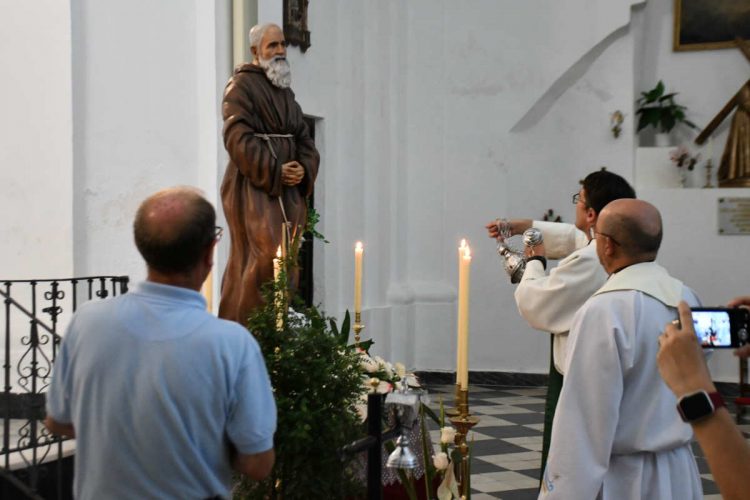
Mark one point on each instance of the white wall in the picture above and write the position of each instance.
(441, 116)
(36, 152)
(148, 78)
(437, 117)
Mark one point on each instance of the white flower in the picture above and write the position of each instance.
(374, 384)
(384, 387)
(400, 370)
(368, 364)
(440, 461)
(411, 380)
(447, 435)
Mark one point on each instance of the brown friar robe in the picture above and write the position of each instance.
(252, 182)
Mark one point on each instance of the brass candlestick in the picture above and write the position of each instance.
(709, 169)
(358, 327)
(463, 424)
(453, 412)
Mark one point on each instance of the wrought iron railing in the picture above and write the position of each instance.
(372, 444)
(34, 313)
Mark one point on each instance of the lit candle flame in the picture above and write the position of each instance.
(278, 252)
(358, 246)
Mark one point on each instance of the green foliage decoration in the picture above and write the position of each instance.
(659, 110)
(317, 381)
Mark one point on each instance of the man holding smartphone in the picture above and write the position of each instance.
(683, 367)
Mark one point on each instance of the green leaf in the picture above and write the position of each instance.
(334, 328)
(654, 94)
(667, 96)
(366, 344)
(429, 467)
(346, 324)
(430, 413)
(667, 123)
(649, 116)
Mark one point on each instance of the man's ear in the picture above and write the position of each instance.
(591, 216)
(208, 257)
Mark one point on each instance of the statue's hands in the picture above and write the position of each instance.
(292, 173)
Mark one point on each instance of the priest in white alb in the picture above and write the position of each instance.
(616, 433)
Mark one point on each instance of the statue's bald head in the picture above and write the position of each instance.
(635, 225)
(173, 228)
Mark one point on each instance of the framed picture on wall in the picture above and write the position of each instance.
(710, 24)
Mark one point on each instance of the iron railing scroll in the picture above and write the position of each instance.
(35, 312)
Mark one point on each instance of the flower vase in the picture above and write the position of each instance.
(662, 140)
(683, 177)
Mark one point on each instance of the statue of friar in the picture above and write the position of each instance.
(272, 168)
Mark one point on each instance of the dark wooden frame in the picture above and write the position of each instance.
(295, 23)
(709, 24)
(305, 287)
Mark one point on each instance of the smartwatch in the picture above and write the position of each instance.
(699, 405)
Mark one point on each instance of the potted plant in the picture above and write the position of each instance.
(659, 110)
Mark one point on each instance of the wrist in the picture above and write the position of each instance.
(691, 386)
(518, 226)
(699, 405)
(540, 258)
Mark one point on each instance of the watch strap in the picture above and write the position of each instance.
(708, 403)
(717, 400)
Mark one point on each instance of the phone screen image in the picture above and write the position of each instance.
(712, 328)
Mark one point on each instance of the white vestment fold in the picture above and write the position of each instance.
(548, 302)
(616, 432)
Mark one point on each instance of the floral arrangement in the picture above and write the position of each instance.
(447, 460)
(440, 480)
(681, 157)
(381, 376)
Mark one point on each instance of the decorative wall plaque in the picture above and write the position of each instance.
(734, 216)
(295, 23)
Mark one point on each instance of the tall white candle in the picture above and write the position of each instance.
(463, 318)
(461, 251)
(358, 251)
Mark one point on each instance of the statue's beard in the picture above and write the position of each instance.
(277, 70)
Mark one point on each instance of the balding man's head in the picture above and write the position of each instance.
(634, 225)
(173, 228)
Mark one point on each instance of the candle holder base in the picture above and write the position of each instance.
(358, 327)
(453, 412)
(463, 424)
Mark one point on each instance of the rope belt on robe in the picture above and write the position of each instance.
(267, 138)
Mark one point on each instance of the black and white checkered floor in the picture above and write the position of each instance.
(508, 441)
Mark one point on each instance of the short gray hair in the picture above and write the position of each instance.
(257, 32)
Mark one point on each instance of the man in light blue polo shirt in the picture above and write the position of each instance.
(163, 398)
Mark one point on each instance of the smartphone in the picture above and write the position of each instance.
(720, 327)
